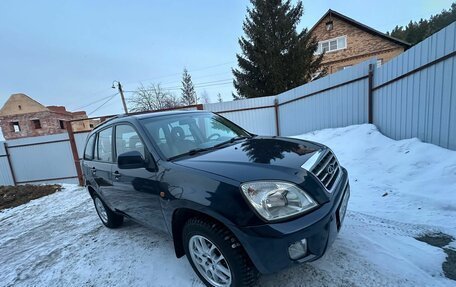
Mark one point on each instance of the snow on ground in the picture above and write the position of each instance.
(399, 189)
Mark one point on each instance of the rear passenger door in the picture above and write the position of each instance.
(101, 166)
(87, 163)
(136, 191)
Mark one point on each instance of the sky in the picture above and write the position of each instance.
(70, 52)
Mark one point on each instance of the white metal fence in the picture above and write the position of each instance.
(413, 95)
(255, 115)
(6, 176)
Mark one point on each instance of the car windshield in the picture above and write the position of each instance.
(190, 133)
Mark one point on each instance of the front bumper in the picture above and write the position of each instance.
(267, 245)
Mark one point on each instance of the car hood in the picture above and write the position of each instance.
(256, 158)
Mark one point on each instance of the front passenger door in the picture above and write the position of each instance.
(137, 190)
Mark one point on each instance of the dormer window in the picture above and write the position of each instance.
(329, 25)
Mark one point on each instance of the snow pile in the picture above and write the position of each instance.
(400, 189)
(407, 180)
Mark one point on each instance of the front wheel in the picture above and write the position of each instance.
(216, 255)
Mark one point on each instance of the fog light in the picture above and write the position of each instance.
(298, 249)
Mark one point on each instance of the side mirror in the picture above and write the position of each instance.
(130, 160)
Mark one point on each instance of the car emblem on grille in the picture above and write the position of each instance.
(331, 168)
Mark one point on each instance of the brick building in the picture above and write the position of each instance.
(22, 116)
(347, 42)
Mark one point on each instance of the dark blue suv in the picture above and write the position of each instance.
(235, 203)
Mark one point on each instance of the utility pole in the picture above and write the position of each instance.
(119, 86)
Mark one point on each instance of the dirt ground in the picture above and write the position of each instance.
(443, 240)
(12, 196)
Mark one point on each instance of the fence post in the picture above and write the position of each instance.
(9, 163)
(276, 110)
(74, 150)
(370, 91)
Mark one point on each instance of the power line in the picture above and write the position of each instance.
(207, 85)
(199, 84)
(197, 77)
(91, 94)
(171, 82)
(104, 103)
(229, 82)
(190, 70)
(92, 103)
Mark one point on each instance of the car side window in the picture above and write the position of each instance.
(127, 139)
(104, 145)
(89, 149)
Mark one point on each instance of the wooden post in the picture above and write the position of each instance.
(276, 110)
(74, 150)
(370, 117)
(9, 163)
(119, 86)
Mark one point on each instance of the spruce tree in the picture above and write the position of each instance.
(275, 56)
(188, 90)
(417, 31)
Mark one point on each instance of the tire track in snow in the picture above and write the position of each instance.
(60, 241)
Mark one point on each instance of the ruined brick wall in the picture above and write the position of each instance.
(49, 121)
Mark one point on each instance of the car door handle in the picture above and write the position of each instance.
(116, 175)
(94, 170)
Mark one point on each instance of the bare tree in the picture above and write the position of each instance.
(205, 97)
(219, 98)
(151, 98)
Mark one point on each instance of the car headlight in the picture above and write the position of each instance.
(276, 199)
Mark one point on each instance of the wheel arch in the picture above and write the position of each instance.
(91, 191)
(181, 216)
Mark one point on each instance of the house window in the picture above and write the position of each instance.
(20, 107)
(379, 62)
(36, 124)
(15, 128)
(329, 25)
(332, 45)
(62, 124)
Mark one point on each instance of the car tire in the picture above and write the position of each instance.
(219, 243)
(108, 217)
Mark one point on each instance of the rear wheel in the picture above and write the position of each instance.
(107, 216)
(216, 255)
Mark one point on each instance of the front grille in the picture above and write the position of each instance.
(327, 170)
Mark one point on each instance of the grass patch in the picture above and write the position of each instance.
(436, 239)
(12, 196)
(449, 266)
(441, 240)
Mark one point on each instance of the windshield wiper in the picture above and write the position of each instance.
(232, 140)
(198, 150)
(190, 152)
